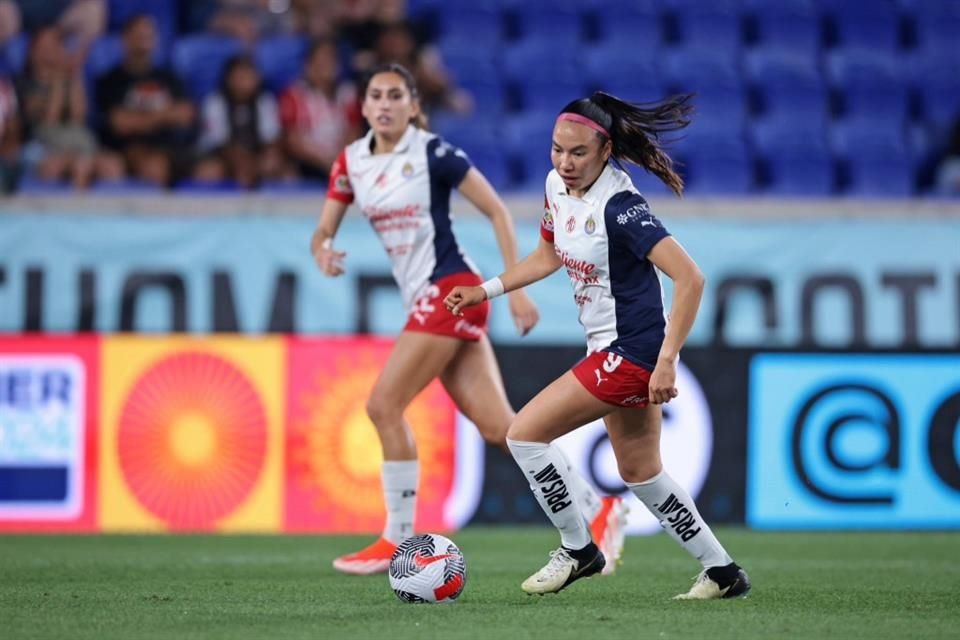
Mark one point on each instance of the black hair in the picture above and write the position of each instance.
(320, 43)
(420, 121)
(636, 129)
(239, 60)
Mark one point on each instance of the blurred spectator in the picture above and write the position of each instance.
(948, 173)
(9, 136)
(320, 114)
(81, 21)
(317, 18)
(396, 43)
(240, 135)
(147, 115)
(54, 106)
(359, 22)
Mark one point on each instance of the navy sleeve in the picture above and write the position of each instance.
(447, 163)
(630, 223)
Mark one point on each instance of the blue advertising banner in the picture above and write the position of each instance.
(853, 441)
(774, 284)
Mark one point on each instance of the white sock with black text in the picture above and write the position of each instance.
(674, 508)
(545, 469)
(400, 479)
(587, 498)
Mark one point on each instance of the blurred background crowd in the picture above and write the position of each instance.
(794, 97)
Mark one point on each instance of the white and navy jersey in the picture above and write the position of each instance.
(405, 195)
(603, 240)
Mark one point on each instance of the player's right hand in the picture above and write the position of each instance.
(462, 297)
(328, 259)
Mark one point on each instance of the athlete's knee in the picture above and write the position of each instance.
(640, 467)
(383, 413)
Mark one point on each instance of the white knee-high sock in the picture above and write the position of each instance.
(673, 506)
(400, 479)
(587, 498)
(546, 470)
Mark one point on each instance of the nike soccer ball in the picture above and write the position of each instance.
(427, 568)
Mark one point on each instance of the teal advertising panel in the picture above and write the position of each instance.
(853, 441)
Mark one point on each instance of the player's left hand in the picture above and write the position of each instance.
(524, 311)
(662, 387)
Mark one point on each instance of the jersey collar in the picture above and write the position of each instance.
(405, 140)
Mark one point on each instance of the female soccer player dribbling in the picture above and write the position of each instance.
(401, 177)
(597, 226)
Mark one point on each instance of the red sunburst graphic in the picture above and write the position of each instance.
(192, 439)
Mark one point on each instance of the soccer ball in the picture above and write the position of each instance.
(427, 568)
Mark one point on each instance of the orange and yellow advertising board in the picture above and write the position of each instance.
(215, 433)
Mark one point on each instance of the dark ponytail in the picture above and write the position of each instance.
(420, 121)
(635, 129)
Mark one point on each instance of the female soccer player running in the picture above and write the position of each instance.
(401, 177)
(597, 226)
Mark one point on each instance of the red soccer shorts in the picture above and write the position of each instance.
(430, 316)
(613, 379)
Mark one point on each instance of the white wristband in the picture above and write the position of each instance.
(493, 288)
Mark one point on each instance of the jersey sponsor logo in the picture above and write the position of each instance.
(401, 219)
(678, 517)
(555, 493)
(571, 224)
(638, 212)
(578, 270)
(590, 226)
(635, 399)
(582, 299)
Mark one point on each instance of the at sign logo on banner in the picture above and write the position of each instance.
(686, 448)
(41, 437)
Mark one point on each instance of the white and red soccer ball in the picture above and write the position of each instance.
(427, 568)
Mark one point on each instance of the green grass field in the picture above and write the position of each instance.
(806, 585)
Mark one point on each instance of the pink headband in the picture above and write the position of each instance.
(587, 122)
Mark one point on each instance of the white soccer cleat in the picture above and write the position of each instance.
(718, 582)
(565, 567)
(607, 530)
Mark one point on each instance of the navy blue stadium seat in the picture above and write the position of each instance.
(715, 26)
(125, 187)
(788, 88)
(635, 24)
(719, 165)
(938, 85)
(543, 79)
(611, 68)
(867, 25)
(792, 164)
(694, 70)
(478, 72)
(280, 60)
(877, 159)
(552, 23)
(788, 25)
(475, 24)
(34, 185)
(937, 24)
(526, 140)
(199, 59)
(872, 86)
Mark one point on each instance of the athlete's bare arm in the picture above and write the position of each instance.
(482, 195)
(668, 256)
(329, 260)
(536, 266)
